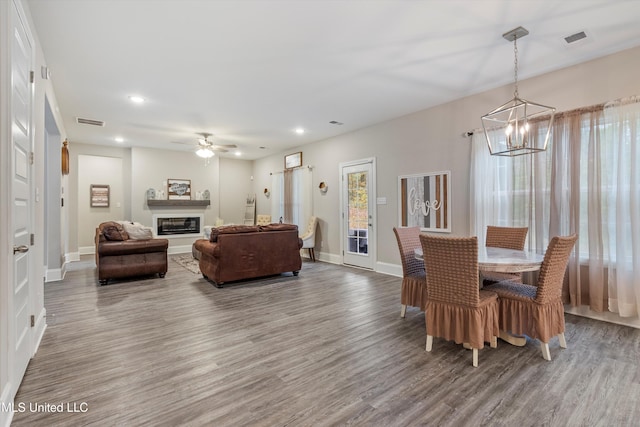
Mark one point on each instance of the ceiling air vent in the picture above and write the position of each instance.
(91, 122)
(335, 122)
(575, 37)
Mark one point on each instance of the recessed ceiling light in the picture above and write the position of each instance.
(299, 131)
(119, 139)
(137, 99)
(238, 153)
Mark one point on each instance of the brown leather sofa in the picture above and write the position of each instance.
(236, 252)
(118, 256)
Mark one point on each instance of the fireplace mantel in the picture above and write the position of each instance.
(178, 203)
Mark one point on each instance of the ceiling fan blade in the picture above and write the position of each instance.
(218, 148)
(226, 145)
(184, 143)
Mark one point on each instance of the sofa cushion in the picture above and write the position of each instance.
(111, 230)
(232, 229)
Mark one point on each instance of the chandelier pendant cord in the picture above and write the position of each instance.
(515, 67)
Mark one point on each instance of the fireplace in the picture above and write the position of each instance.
(177, 225)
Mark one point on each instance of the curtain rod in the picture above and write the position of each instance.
(616, 102)
(297, 167)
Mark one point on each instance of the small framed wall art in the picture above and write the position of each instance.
(99, 196)
(179, 189)
(293, 160)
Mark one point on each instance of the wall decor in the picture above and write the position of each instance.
(293, 160)
(425, 201)
(179, 189)
(99, 196)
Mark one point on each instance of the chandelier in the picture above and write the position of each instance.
(510, 129)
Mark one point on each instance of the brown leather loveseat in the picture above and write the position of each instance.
(118, 256)
(236, 252)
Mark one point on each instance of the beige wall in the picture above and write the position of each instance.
(131, 171)
(235, 183)
(426, 141)
(151, 168)
(431, 140)
(80, 238)
(98, 170)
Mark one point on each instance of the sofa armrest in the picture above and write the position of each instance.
(207, 247)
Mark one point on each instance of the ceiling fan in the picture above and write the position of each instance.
(206, 148)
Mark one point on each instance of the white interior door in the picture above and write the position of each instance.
(21, 212)
(358, 214)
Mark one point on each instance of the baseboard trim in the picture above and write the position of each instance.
(41, 326)
(181, 249)
(389, 269)
(53, 275)
(75, 256)
(585, 311)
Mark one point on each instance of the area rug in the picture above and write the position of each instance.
(188, 262)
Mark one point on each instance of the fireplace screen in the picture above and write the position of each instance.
(179, 225)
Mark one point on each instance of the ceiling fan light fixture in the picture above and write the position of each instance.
(205, 152)
(508, 129)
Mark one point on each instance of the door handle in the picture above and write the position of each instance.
(21, 248)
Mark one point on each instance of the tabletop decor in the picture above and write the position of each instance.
(425, 201)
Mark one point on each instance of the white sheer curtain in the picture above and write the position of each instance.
(277, 195)
(301, 197)
(500, 190)
(587, 182)
(621, 182)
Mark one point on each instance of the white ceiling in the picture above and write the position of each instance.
(250, 72)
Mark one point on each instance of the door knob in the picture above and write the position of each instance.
(21, 248)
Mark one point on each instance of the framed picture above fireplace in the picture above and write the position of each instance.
(179, 189)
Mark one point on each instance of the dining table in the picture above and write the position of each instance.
(504, 261)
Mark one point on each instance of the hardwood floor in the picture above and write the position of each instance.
(325, 348)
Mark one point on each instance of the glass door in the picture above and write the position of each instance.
(357, 215)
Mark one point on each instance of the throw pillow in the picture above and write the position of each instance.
(137, 231)
(113, 231)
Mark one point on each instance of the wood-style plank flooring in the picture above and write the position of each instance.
(325, 348)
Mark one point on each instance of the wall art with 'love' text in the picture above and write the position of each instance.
(425, 201)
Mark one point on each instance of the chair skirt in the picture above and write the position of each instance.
(414, 292)
(463, 324)
(539, 321)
